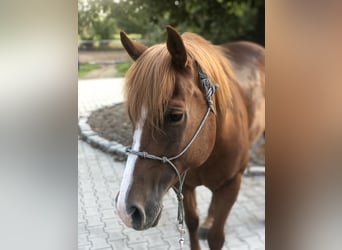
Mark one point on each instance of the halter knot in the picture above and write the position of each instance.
(180, 196)
(208, 86)
(164, 159)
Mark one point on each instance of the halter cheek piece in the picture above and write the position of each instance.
(209, 89)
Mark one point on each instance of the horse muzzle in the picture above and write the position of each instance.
(144, 218)
(137, 215)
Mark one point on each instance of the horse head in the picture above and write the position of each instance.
(167, 105)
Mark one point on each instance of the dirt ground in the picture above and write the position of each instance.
(112, 123)
(105, 59)
(107, 55)
(105, 71)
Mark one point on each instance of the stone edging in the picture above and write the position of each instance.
(91, 137)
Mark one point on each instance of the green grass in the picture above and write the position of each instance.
(122, 68)
(85, 68)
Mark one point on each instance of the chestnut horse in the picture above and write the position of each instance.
(188, 132)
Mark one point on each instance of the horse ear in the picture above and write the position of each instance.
(133, 48)
(176, 47)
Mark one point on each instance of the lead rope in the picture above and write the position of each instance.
(210, 89)
(180, 198)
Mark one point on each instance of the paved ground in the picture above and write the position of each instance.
(96, 93)
(99, 180)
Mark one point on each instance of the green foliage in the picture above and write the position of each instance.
(217, 20)
(85, 68)
(94, 20)
(122, 68)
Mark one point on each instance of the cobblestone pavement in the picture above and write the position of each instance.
(96, 93)
(99, 227)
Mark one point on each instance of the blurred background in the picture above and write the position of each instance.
(100, 22)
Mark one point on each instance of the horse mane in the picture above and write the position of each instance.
(214, 63)
(150, 81)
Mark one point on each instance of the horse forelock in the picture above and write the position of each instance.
(150, 81)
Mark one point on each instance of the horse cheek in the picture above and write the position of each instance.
(205, 143)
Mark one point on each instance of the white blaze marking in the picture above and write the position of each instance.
(127, 178)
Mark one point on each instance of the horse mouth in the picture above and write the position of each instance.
(155, 223)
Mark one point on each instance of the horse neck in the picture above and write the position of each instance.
(232, 123)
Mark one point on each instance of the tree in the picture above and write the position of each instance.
(95, 20)
(217, 20)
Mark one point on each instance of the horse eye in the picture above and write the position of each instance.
(174, 117)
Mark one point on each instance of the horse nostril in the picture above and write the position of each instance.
(138, 217)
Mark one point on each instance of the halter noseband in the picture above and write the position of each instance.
(209, 89)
